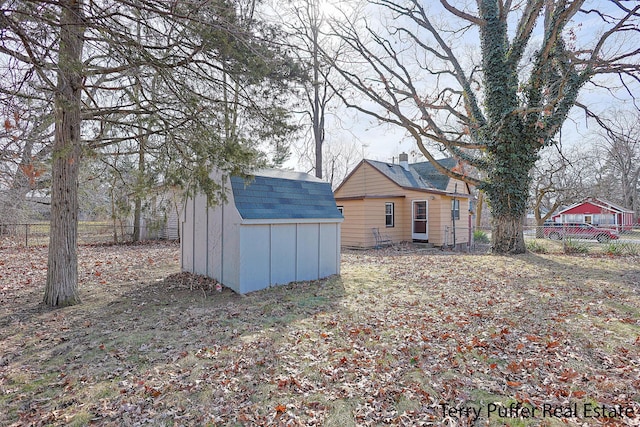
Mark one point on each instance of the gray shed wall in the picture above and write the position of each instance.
(249, 255)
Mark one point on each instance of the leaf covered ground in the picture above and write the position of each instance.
(402, 337)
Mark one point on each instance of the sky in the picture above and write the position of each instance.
(385, 142)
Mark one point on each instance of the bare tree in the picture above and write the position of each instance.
(320, 93)
(559, 179)
(25, 147)
(306, 25)
(497, 113)
(620, 139)
(340, 159)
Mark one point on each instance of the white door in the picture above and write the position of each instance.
(419, 223)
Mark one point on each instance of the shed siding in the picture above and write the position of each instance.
(255, 263)
(200, 238)
(188, 233)
(307, 242)
(329, 242)
(230, 245)
(215, 240)
(283, 250)
(231, 252)
(249, 254)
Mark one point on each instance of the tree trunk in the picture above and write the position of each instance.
(137, 210)
(507, 235)
(508, 197)
(318, 109)
(137, 218)
(113, 214)
(508, 192)
(62, 271)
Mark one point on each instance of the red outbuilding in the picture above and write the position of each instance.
(597, 212)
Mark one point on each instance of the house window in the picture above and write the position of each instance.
(389, 214)
(455, 209)
(341, 210)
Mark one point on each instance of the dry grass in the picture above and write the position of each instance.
(396, 336)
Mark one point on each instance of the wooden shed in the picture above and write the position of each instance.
(276, 228)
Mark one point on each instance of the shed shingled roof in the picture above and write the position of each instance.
(278, 194)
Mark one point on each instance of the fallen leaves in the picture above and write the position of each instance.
(385, 344)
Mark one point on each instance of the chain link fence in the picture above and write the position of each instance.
(569, 238)
(89, 232)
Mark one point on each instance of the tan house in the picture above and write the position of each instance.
(403, 202)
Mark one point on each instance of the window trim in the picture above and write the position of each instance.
(391, 215)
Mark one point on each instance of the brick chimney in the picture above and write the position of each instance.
(404, 161)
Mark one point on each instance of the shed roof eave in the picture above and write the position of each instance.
(262, 221)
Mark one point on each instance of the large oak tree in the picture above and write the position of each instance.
(490, 82)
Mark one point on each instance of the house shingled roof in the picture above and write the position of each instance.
(429, 173)
(420, 175)
(399, 175)
(278, 194)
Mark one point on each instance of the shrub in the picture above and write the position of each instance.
(536, 247)
(613, 249)
(480, 236)
(624, 248)
(570, 246)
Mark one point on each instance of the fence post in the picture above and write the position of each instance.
(26, 235)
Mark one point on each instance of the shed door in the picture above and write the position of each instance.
(419, 224)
